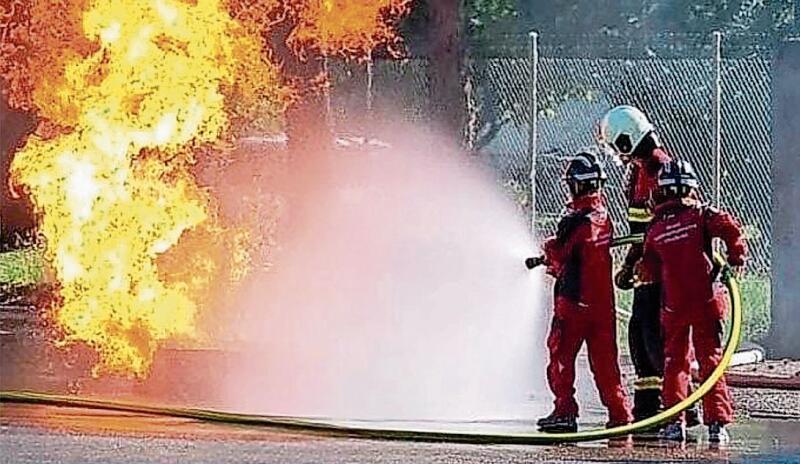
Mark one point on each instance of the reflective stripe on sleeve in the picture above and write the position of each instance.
(639, 215)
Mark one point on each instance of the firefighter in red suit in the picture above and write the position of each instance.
(580, 260)
(628, 133)
(678, 253)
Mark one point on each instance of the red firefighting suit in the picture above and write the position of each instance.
(578, 257)
(644, 329)
(678, 253)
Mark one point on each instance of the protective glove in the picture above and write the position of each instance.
(641, 276)
(534, 262)
(624, 278)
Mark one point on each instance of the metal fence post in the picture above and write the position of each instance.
(533, 108)
(327, 92)
(472, 117)
(370, 76)
(718, 118)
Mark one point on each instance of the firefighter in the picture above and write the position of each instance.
(580, 260)
(678, 253)
(627, 132)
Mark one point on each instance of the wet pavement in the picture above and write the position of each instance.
(43, 434)
(40, 434)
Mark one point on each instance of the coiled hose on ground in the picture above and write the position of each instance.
(331, 429)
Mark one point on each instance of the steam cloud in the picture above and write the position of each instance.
(399, 293)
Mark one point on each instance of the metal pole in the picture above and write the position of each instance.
(327, 92)
(533, 107)
(473, 118)
(718, 118)
(370, 75)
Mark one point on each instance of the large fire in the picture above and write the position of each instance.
(115, 188)
(126, 92)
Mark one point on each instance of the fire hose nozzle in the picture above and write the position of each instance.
(534, 262)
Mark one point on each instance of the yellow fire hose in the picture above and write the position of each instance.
(331, 429)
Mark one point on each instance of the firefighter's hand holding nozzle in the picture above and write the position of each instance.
(534, 262)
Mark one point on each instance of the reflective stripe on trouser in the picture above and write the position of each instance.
(647, 383)
(570, 328)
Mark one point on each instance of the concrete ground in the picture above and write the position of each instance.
(40, 434)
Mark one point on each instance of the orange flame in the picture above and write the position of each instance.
(349, 28)
(143, 80)
(127, 91)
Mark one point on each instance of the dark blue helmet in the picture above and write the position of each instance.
(677, 178)
(585, 173)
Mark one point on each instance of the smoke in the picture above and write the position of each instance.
(399, 292)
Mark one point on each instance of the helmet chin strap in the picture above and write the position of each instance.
(656, 139)
(649, 142)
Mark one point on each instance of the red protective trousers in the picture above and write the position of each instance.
(705, 330)
(572, 325)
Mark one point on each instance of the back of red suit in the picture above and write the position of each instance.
(579, 258)
(678, 254)
(681, 240)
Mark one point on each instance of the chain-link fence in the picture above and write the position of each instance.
(708, 95)
(709, 109)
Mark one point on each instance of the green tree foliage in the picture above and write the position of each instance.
(483, 14)
(760, 16)
(633, 17)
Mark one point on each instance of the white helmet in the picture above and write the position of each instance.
(623, 128)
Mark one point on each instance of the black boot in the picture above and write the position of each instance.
(557, 424)
(675, 431)
(692, 417)
(717, 433)
(646, 403)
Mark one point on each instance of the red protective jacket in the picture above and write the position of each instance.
(579, 258)
(641, 182)
(677, 251)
